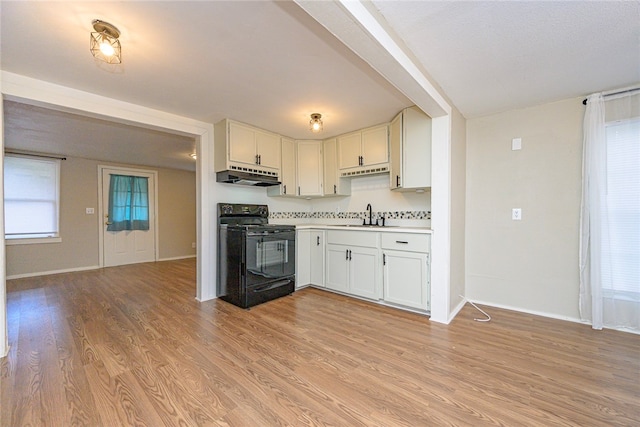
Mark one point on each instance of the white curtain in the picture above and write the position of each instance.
(610, 213)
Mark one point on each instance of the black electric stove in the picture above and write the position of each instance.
(256, 260)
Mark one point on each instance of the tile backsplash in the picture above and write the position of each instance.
(404, 215)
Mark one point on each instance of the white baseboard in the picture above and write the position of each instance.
(47, 273)
(534, 312)
(77, 269)
(175, 258)
(456, 310)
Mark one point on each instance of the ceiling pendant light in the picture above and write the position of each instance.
(315, 124)
(104, 44)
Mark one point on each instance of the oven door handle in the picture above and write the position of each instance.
(271, 286)
(263, 233)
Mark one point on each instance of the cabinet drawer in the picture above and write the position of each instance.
(367, 239)
(406, 242)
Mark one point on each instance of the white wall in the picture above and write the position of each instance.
(458, 208)
(374, 189)
(529, 265)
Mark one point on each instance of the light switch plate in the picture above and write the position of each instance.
(516, 214)
(89, 211)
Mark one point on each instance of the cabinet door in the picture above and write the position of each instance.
(333, 184)
(330, 166)
(303, 258)
(268, 148)
(349, 150)
(337, 268)
(416, 149)
(317, 258)
(395, 152)
(309, 168)
(288, 170)
(406, 280)
(363, 274)
(242, 144)
(375, 145)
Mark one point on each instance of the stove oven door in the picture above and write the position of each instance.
(270, 255)
(270, 265)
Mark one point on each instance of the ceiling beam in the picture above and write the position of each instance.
(363, 30)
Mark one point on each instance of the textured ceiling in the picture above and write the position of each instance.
(492, 56)
(270, 64)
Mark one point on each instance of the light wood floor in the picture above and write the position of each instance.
(131, 346)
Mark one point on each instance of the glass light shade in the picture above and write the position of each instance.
(315, 124)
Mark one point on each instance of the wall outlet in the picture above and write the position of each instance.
(516, 214)
(89, 211)
(516, 143)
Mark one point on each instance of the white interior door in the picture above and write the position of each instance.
(128, 246)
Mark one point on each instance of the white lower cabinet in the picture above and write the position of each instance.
(353, 263)
(390, 266)
(303, 258)
(405, 263)
(406, 278)
(337, 268)
(316, 268)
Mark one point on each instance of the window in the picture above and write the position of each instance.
(128, 203)
(621, 234)
(31, 197)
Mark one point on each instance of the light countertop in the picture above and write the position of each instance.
(355, 227)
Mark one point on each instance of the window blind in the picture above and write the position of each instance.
(31, 194)
(621, 231)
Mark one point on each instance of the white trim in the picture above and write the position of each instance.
(4, 336)
(101, 207)
(36, 240)
(40, 93)
(48, 273)
(175, 258)
(384, 51)
(533, 312)
(456, 310)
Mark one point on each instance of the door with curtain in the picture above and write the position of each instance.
(128, 213)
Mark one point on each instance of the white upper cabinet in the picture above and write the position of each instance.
(410, 135)
(309, 168)
(288, 172)
(333, 184)
(364, 152)
(350, 150)
(375, 146)
(243, 147)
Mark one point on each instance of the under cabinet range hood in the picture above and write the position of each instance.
(246, 178)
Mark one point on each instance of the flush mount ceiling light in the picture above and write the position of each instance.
(104, 43)
(315, 124)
